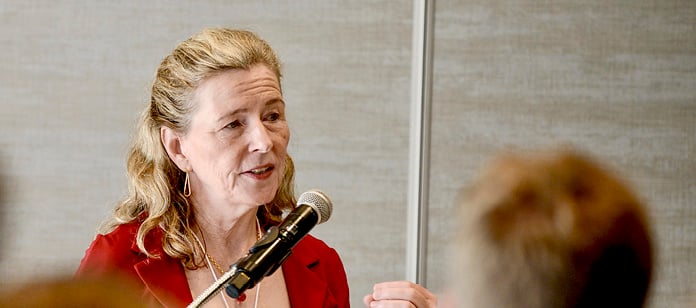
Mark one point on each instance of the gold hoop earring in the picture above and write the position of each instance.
(187, 186)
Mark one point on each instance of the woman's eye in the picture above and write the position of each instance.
(272, 116)
(234, 124)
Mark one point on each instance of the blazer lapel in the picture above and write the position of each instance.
(164, 278)
(166, 281)
(305, 286)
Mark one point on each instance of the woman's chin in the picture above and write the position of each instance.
(261, 199)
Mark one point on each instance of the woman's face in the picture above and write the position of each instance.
(238, 137)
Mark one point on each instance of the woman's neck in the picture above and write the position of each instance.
(226, 238)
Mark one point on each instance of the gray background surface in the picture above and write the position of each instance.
(616, 78)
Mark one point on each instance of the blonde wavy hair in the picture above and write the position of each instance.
(156, 196)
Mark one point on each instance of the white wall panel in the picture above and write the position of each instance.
(615, 78)
(74, 76)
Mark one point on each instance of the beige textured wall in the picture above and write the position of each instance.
(615, 78)
(74, 75)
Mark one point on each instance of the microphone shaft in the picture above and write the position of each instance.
(266, 256)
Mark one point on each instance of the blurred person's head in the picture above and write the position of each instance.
(107, 292)
(550, 229)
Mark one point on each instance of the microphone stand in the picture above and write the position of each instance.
(265, 257)
(240, 277)
(213, 289)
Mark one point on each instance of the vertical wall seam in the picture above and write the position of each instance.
(419, 141)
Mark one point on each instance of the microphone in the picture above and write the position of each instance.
(266, 256)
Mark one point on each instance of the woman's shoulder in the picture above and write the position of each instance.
(112, 250)
(125, 236)
(122, 237)
(123, 231)
(310, 245)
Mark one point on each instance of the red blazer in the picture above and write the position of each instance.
(314, 274)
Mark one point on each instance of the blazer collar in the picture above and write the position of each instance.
(163, 276)
(303, 279)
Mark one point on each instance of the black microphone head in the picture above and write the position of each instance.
(317, 200)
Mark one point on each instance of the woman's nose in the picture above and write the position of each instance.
(259, 138)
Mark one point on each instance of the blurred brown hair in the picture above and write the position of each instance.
(107, 292)
(550, 228)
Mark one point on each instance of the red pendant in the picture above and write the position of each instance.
(241, 297)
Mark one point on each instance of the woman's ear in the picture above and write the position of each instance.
(172, 144)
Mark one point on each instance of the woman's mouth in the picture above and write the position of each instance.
(260, 173)
(260, 170)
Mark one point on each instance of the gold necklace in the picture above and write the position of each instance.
(215, 264)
